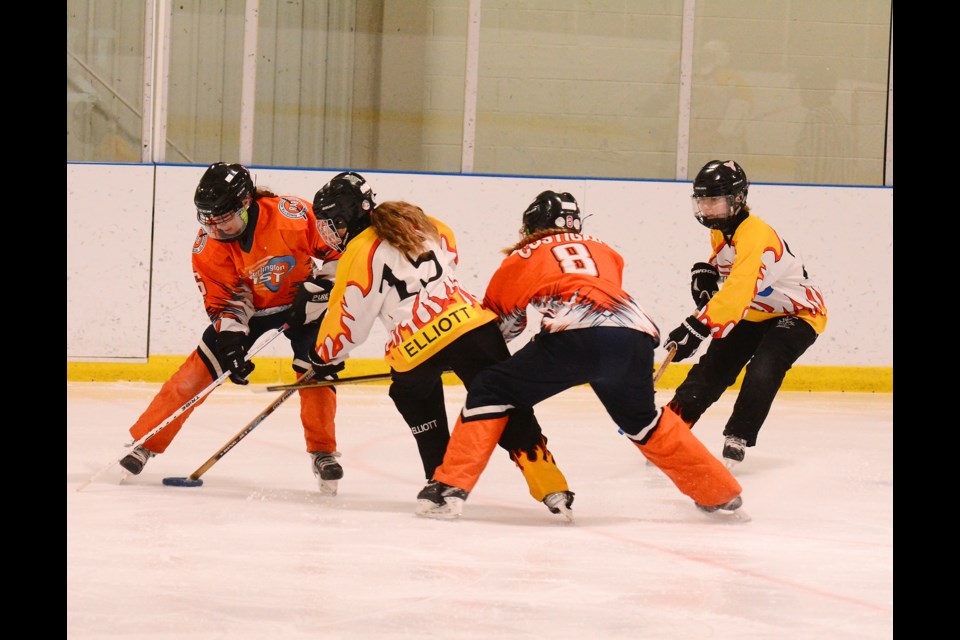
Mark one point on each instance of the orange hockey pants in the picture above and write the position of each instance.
(317, 409)
(472, 444)
(678, 453)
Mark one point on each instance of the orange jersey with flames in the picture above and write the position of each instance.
(573, 280)
(420, 302)
(260, 272)
(761, 279)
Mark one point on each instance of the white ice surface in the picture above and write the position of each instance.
(256, 553)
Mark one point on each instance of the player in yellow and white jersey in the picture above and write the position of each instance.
(398, 265)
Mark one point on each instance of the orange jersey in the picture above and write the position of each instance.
(573, 280)
(260, 272)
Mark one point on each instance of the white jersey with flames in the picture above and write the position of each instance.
(419, 301)
(761, 279)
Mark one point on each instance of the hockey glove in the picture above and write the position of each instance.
(231, 352)
(704, 283)
(686, 338)
(311, 301)
(322, 370)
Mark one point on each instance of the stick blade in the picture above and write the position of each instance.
(182, 482)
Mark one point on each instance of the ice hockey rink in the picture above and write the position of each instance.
(256, 553)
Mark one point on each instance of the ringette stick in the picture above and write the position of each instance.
(656, 376)
(173, 416)
(193, 480)
(373, 377)
(663, 366)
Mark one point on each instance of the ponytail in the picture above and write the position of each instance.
(403, 225)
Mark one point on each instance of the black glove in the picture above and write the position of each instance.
(310, 302)
(231, 351)
(704, 282)
(687, 338)
(322, 370)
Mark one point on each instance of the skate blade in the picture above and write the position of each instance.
(564, 513)
(329, 487)
(450, 510)
(731, 511)
(728, 516)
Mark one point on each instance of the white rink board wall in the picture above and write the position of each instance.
(844, 235)
(109, 218)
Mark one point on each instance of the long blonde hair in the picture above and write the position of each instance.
(403, 225)
(533, 237)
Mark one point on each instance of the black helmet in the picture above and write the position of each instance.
(224, 192)
(726, 180)
(343, 203)
(552, 210)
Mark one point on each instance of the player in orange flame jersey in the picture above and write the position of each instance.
(592, 331)
(250, 258)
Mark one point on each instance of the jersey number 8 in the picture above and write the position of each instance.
(575, 258)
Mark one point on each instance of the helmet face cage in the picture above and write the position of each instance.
(719, 193)
(222, 199)
(552, 210)
(342, 208)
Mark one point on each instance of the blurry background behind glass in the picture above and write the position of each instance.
(796, 91)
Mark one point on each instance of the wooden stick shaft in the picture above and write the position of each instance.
(663, 367)
(373, 377)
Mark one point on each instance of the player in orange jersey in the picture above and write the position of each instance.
(399, 265)
(765, 315)
(251, 255)
(592, 331)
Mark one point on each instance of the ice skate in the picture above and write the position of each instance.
(441, 501)
(134, 461)
(731, 511)
(559, 502)
(734, 450)
(327, 471)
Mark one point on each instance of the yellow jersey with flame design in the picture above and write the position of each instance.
(761, 279)
(419, 301)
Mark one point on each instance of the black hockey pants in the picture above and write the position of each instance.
(418, 395)
(768, 349)
(615, 361)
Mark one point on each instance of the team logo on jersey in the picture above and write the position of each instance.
(292, 208)
(270, 272)
(200, 241)
(786, 322)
